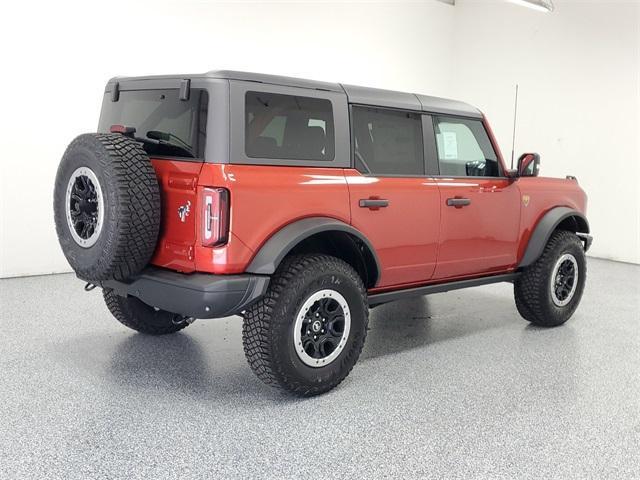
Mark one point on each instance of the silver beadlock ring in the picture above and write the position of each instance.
(83, 191)
(324, 320)
(564, 280)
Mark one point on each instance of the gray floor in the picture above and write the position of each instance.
(455, 385)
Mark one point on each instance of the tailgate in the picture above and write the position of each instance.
(178, 187)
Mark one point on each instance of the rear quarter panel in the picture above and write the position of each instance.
(263, 200)
(541, 194)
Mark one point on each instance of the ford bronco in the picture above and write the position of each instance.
(300, 204)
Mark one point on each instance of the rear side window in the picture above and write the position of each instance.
(288, 127)
(387, 142)
(167, 125)
(464, 148)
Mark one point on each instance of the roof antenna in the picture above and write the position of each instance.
(515, 117)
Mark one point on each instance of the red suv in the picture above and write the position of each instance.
(298, 205)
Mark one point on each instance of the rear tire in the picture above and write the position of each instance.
(137, 315)
(306, 334)
(549, 291)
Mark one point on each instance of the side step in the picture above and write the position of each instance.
(385, 297)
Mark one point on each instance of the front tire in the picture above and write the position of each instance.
(137, 315)
(306, 334)
(549, 291)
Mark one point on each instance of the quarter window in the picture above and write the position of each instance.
(464, 149)
(288, 127)
(387, 142)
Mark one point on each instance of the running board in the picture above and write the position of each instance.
(380, 298)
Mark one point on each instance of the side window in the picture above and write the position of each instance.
(288, 127)
(464, 149)
(387, 142)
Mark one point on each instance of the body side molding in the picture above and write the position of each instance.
(284, 240)
(545, 228)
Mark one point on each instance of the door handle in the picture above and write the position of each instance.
(458, 202)
(373, 203)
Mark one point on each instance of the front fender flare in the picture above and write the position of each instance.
(546, 227)
(284, 240)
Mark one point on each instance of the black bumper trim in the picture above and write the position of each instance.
(198, 295)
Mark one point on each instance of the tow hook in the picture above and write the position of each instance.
(89, 286)
(179, 320)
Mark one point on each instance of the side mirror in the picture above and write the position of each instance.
(528, 165)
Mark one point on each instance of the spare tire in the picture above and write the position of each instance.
(106, 206)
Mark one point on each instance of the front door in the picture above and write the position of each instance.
(393, 203)
(480, 206)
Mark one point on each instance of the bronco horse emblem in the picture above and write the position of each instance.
(183, 211)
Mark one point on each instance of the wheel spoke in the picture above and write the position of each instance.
(327, 346)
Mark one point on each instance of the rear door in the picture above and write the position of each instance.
(393, 202)
(480, 206)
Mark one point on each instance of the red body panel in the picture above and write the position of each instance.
(482, 236)
(263, 200)
(404, 234)
(541, 194)
(418, 238)
(178, 187)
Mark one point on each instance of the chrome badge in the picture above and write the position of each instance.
(525, 200)
(183, 211)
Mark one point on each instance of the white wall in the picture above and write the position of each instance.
(578, 71)
(61, 53)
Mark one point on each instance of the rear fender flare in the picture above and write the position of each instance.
(284, 240)
(545, 227)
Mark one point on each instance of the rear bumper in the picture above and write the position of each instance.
(198, 295)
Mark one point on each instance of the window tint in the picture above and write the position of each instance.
(288, 127)
(181, 124)
(387, 142)
(464, 149)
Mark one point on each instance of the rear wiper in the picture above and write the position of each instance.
(164, 140)
(153, 141)
(167, 137)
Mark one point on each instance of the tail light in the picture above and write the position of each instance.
(215, 216)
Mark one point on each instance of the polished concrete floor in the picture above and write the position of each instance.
(455, 385)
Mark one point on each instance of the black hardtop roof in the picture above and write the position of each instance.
(355, 94)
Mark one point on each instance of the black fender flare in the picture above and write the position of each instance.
(284, 240)
(546, 227)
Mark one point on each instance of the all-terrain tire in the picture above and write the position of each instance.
(137, 315)
(124, 244)
(268, 327)
(533, 289)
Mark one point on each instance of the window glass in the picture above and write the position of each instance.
(464, 149)
(180, 125)
(387, 142)
(288, 127)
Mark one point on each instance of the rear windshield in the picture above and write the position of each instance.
(166, 125)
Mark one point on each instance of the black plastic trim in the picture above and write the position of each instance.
(185, 90)
(198, 295)
(115, 92)
(380, 298)
(587, 239)
(544, 229)
(281, 243)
